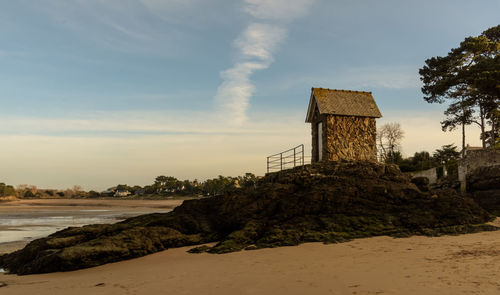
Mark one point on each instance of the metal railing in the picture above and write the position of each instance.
(285, 160)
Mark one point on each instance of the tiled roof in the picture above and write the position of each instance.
(343, 103)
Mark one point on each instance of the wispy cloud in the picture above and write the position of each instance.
(259, 41)
(256, 46)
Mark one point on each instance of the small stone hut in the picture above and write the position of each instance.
(343, 125)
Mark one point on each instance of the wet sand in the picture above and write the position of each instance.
(465, 264)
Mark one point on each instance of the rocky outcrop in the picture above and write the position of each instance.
(330, 202)
(483, 184)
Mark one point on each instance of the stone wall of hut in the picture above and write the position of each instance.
(346, 138)
(351, 138)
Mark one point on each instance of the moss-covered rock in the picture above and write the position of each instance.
(332, 202)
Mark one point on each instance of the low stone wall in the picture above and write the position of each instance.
(482, 158)
(431, 174)
(475, 159)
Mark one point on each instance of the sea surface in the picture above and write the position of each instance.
(29, 222)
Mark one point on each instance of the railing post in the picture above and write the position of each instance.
(267, 164)
(302, 154)
(281, 161)
(294, 157)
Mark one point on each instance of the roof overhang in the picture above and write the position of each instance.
(311, 108)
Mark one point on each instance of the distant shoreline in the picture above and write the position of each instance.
(108, 201)
(128, 198)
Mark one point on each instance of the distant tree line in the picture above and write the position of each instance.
(169, 186)
(163, 186)
(31, 191)
(6, 190)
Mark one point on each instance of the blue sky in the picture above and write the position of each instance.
(101, 92)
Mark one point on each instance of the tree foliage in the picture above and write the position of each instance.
(6, 190)
(419, 161)
(170, 186)
(166, 184)
(247, 180)
(446, 154)
(468, 77)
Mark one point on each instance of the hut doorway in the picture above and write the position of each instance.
(320, 141)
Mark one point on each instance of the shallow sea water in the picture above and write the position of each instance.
(29, 225)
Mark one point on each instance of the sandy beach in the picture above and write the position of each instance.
(465, 264)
